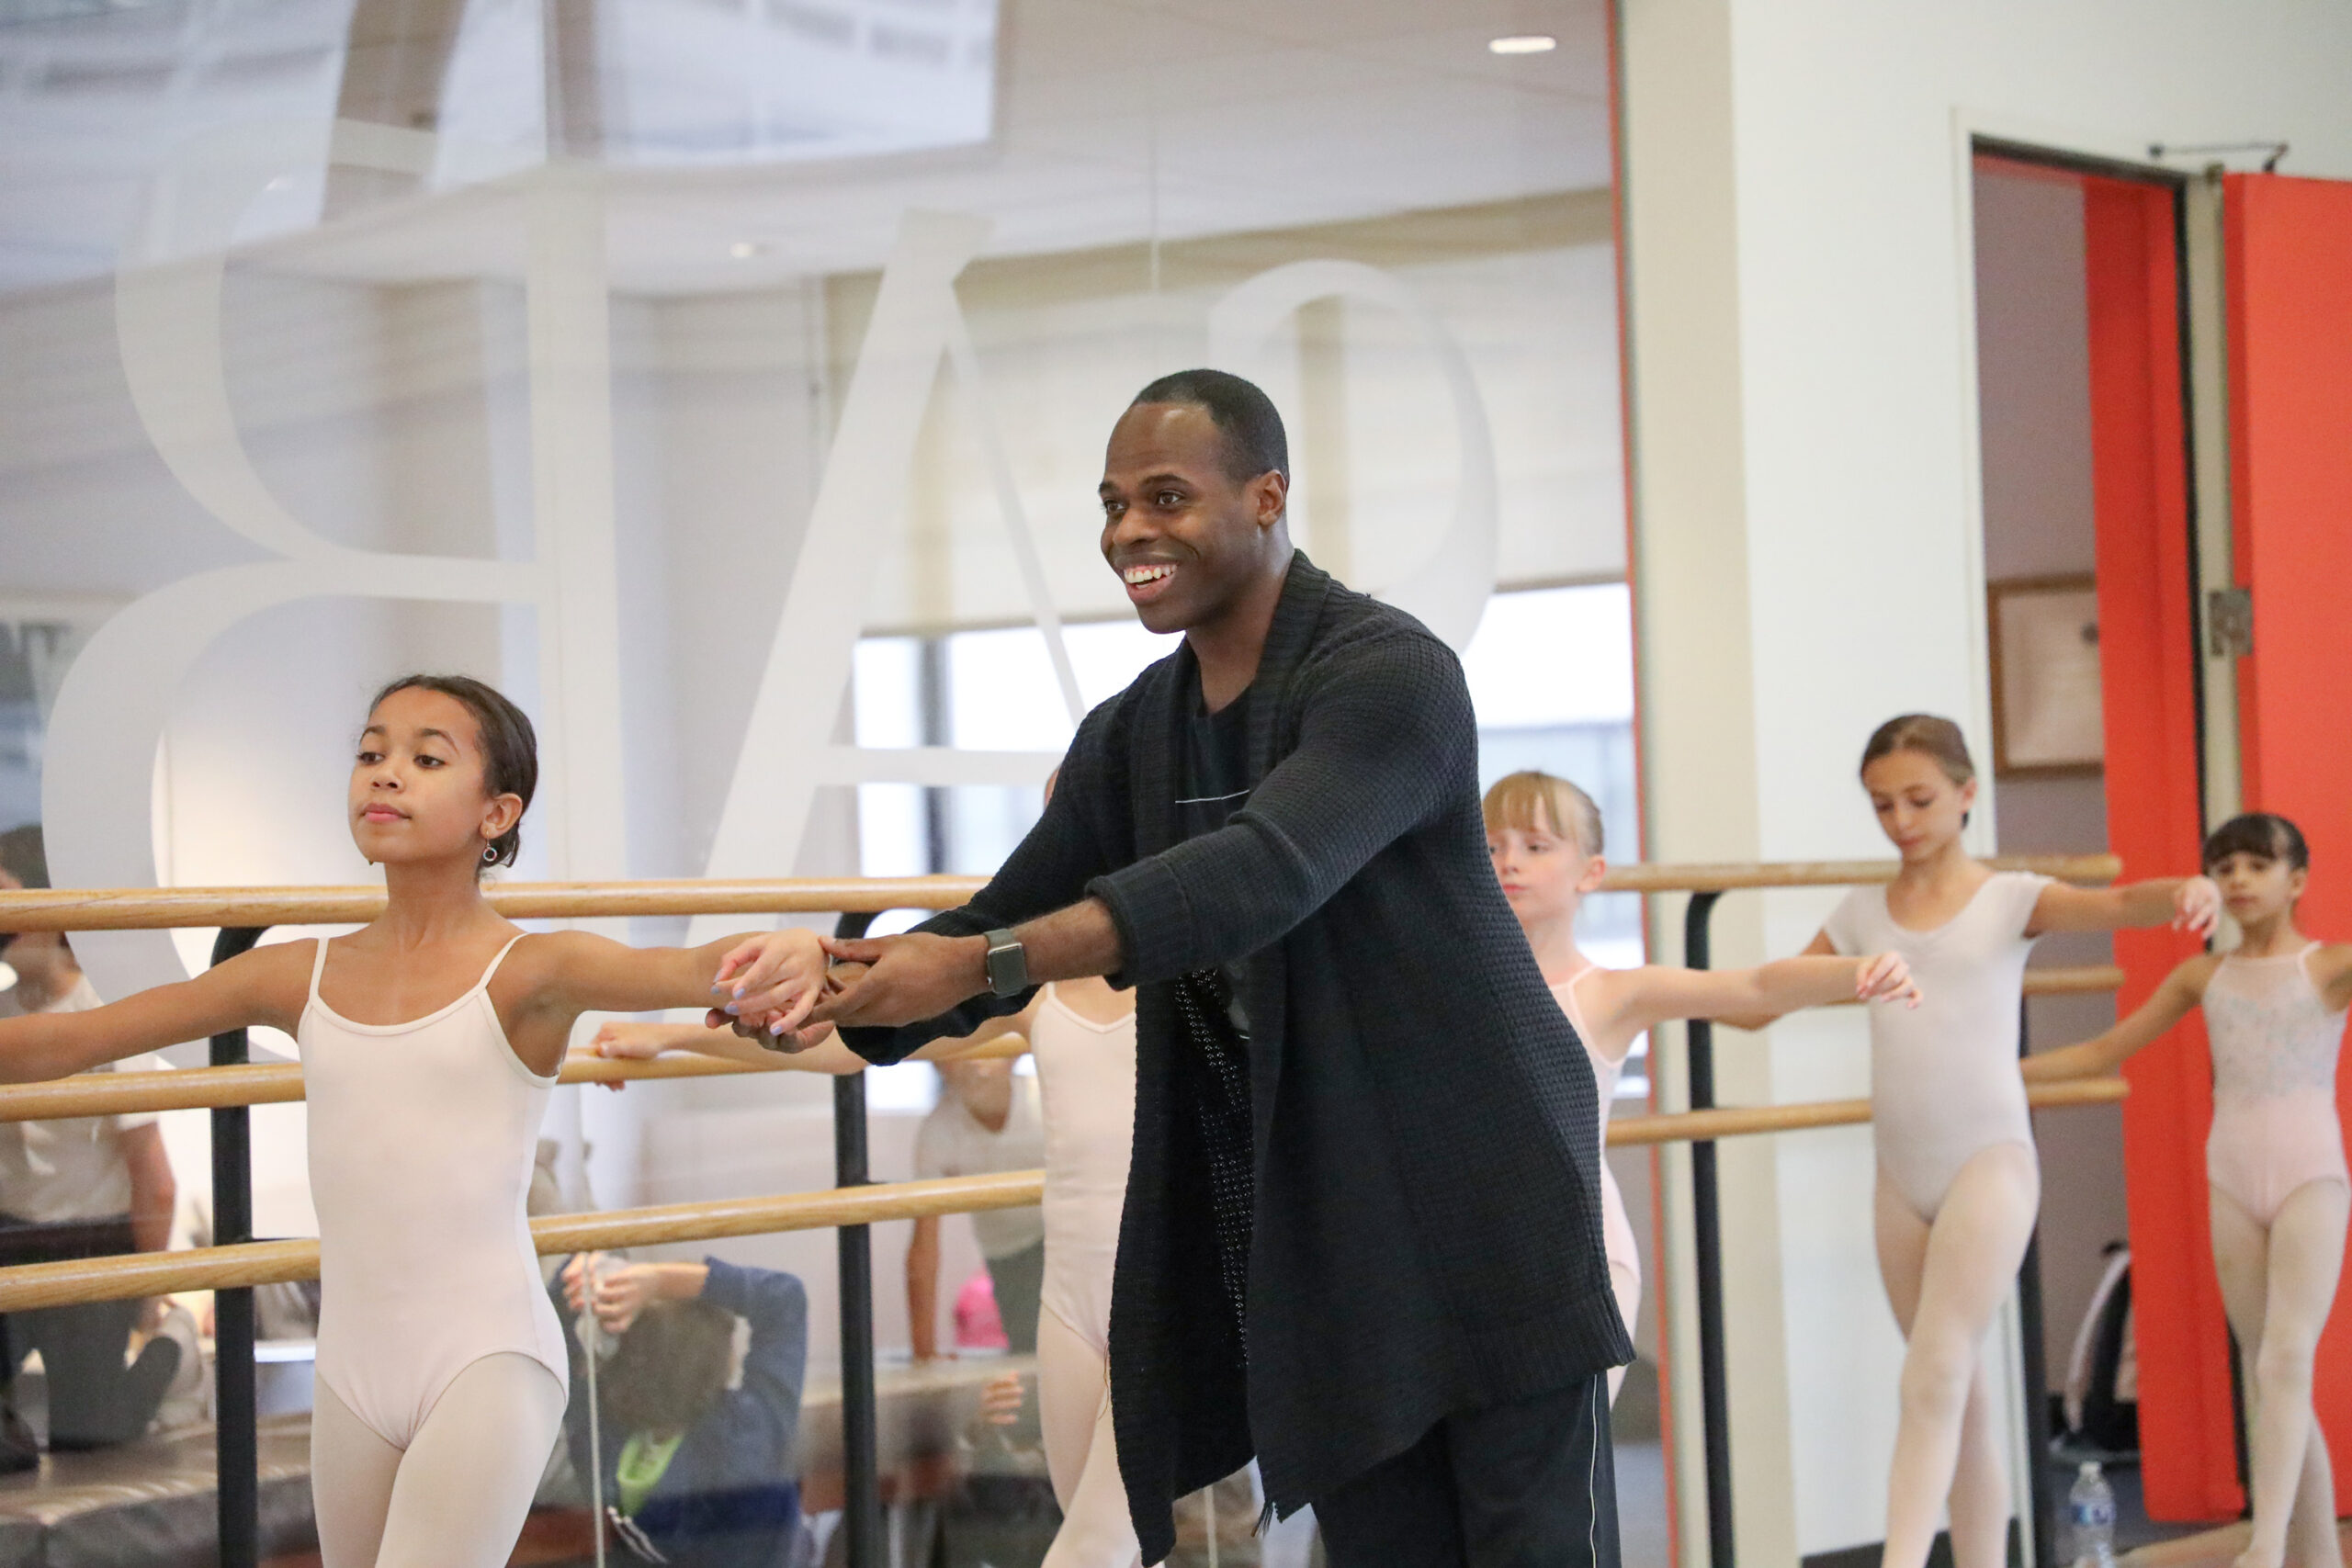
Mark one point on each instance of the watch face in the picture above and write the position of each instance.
(1008, 968)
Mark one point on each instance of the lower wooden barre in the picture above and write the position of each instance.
(276, 1262)
(33, 1285)
(1737, 1122)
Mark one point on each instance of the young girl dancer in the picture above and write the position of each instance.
(1958, 1182)
(1082, 1034)
(429, 1039)
(2274, 1161)
(1543, 835)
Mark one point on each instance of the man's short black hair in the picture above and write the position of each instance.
(1254, 441)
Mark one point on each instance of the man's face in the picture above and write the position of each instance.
(1185, 536)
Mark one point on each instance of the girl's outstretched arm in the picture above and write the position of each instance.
(263, 987)
(2097, 1057)
(583, 973)
(638, 1042)
(2187, 903)
(1750, 999)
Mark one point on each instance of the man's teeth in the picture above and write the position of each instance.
(1138, 575)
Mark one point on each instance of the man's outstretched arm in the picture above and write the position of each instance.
(924, 974)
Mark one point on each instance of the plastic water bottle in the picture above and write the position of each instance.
(2090, 1512)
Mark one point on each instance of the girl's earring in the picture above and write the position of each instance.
(489, 855)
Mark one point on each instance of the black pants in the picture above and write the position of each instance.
(94, 1399)
(1018, 1281)
(1531, 1484)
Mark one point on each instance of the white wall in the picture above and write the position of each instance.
(1798, 198)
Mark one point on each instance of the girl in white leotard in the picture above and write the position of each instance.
(1543, 836)
(1958, 1185)
(2280, 1192)
(1082, 1034)
(429, 1040)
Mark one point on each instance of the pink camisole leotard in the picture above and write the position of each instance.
(423, 1136)
(1086, 1076)
(1616, 1225)
(2274, 1044)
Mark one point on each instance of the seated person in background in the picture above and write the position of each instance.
(987, 1121)
(86, 1187)
(696, 1474)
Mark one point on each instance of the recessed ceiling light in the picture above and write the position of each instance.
(744, 250)
(1523, 43)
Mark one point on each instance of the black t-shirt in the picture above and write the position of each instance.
(1210, 1003)
(1215, 783)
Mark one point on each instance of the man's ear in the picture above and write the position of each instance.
(1271, 490)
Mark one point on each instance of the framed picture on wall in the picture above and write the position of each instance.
(2044, 639)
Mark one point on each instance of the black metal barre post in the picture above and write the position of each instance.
(1706, 1225)
(861, 1477)
(236, 1438)
(2034, 1370)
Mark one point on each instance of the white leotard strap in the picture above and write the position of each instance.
(318, 967)
(483, 984)
(1569, 996)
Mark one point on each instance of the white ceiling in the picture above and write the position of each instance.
(1114, 123)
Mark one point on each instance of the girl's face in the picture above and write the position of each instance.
(417, 784)
(2257, 887)
(1546, 874)
(1919, 808)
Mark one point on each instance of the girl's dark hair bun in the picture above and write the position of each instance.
(2264, 834)
(510, 747)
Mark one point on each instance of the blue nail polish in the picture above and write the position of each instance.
(730, 1007)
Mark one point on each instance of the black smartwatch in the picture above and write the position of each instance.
(1008, 963)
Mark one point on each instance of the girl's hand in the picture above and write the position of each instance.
(628, 1040)
(1885, 977)
(2196, 907)
(576, 1278)
(1002, 1399)
(778, 977)
(622, 1290)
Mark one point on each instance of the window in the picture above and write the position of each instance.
(1550, 673)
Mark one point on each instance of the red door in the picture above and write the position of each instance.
(2154, 805)
(2288, 246)
(2290, 258)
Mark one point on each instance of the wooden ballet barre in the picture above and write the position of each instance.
(281, 1083)
(1669, 877)
(2073, 980)
(1738, 1122)
(150, 908)
(133, 1275)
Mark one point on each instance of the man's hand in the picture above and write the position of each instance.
(908, 979)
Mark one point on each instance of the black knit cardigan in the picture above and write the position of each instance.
(1426, 1220)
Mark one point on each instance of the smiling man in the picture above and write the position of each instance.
(1362, 1236)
